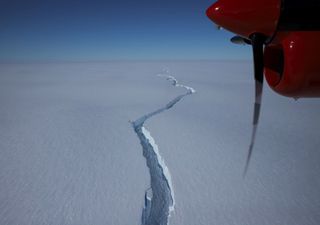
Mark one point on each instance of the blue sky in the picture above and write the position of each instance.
(112, 30)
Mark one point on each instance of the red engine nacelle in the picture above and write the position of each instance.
(292, 64)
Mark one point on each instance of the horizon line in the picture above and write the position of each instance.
(118, 60)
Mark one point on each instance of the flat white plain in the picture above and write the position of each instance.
(68, 154)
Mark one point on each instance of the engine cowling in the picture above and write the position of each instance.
(292, 64)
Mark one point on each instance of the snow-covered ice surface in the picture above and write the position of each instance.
(68, 154)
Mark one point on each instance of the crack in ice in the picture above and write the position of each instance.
(159, 198)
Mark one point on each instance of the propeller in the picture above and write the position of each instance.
(240, 40)
(257, 41)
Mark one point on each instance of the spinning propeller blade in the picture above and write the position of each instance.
(257, 42)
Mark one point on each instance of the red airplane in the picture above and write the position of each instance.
(285, 38)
